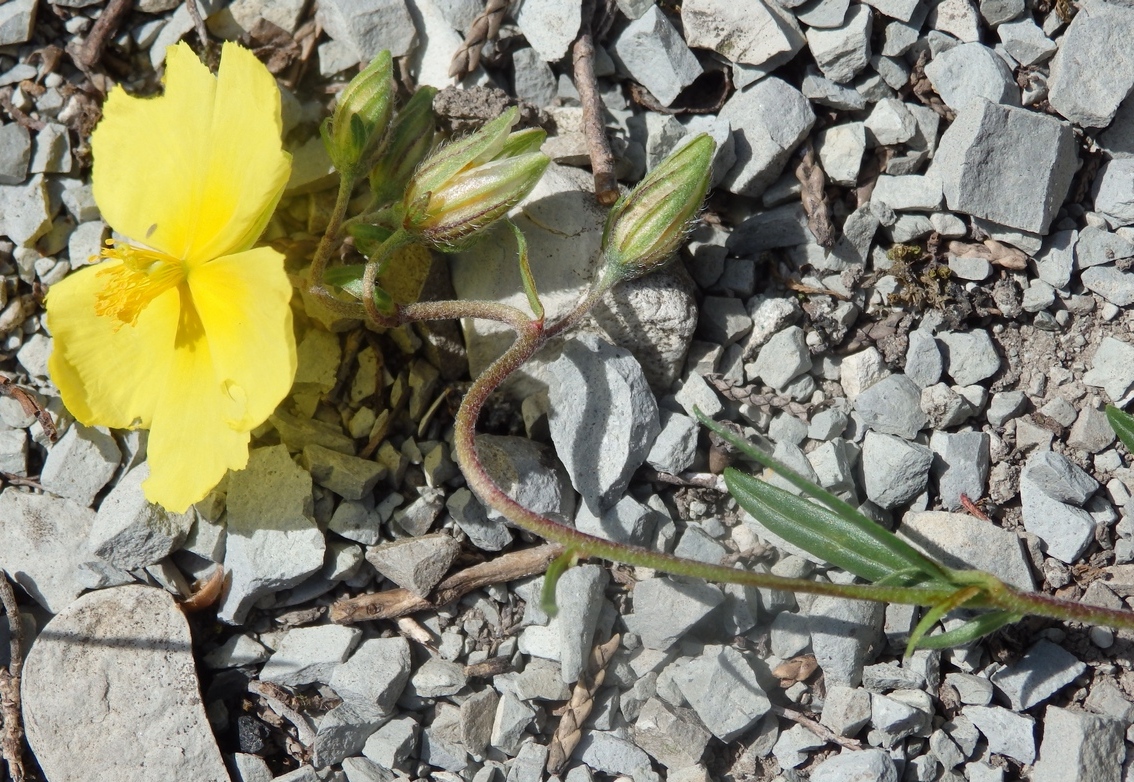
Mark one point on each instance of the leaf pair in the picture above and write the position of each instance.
(839, 534)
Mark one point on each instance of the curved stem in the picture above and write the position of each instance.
(531, 336)
(332, 237)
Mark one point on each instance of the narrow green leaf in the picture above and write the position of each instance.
(826, 534)
(849, 527)
(349, 279)
(556, 569)
(526, 271)
(368, 238)
(1122, 424)
(956, 600)
(969, 631)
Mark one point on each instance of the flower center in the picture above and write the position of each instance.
(142, 276)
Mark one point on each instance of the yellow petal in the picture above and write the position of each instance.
(194, 172)
(150, 155)
(108, 373)
(244, 304)
(191, 446)
(248, 168)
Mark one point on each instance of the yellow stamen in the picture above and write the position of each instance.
(142, 276)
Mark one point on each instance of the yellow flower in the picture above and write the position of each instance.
(185, 330)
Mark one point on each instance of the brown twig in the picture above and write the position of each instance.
(87, 54)
(12, 740)
(393, 603)
(31, 406)
(570, 730)
(484, 28)
(814, 194)
(198, 23)
(280, 700)
(819, 729)
(17, 115)
(594, 128)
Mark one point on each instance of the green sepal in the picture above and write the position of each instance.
(1123, 426)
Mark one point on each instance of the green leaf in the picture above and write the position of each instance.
(956, 600)
(349, 279)
(368, 238)
(556, 569)
(872, 554)
(839, 533)
(970, 631)
(526, 271)
(1122, 424)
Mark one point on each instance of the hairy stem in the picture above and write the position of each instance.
(531, 336)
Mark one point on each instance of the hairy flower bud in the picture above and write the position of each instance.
(465, 186)
(646, 226)
(354, 133)
(410, 139)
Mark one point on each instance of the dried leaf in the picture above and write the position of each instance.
(815, 205)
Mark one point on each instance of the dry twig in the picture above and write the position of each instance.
(393, 603)
(484, 28)
(12, 739)
(198, 23)
(820, 730)
(31, 406)
(570, 731)
(815, 205)
(87, 54)
(594, 128)
(280, 700)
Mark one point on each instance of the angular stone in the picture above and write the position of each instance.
(775, 118)
(601, 445)
(310, 654)
(664, 610)
(755, 34)
(970, 356)
(273, 540)
(868, 765)
(961, 541)
(1112, 368)
(528, 473)
(81, 463)
(43, 543)
(894, 470)
(843, 51)
(656, 56)
(889, 123)
(110, 692)
(1025, 41)
(967, 73)
(846, 710)
(673, 737)
(989, 145)
(1078, 745)
(131, 532)
(1114, 195)
(1039, 674)
(416, 564)
(368, 26)
(964, 465)
(783, 358)
(1094, 68)
(1008, 733)
(15, 153)
(17, 21)
(722, 688)
(549, 25)
(842, 632)
(374, 676)
(892, 406)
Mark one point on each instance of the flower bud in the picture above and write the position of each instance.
(646, 226)
(466, 186)
(354, 133)
(410, 139)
